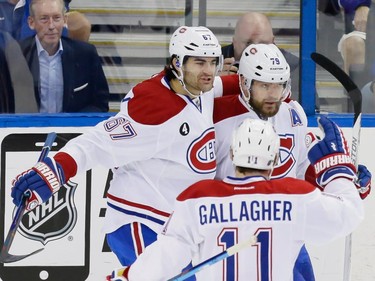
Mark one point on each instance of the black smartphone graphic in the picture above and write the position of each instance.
(61, 225)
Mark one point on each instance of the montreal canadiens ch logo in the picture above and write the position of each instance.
(201, 153)
(286, 160)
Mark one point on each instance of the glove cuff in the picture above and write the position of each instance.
(332, 160)
(336, 172)
(51, 172)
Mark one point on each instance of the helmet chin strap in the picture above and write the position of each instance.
(180, 78)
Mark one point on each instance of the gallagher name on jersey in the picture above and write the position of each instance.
(254, 210)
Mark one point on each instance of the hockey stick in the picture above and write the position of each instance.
(352, 89)
(5, 256)
(356, 131)
(355, 96)
(223, 255)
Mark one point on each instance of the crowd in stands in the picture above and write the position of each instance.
(15, 18)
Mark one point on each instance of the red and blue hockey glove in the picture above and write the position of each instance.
(40, 182)
(330, 155)
(119, 274)
(363, 182)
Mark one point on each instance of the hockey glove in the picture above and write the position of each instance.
(39, 183)
(119, 274)
(364, 181)
(330, 155)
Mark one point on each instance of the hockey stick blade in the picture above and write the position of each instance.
(5, 256)
(223, 255)
(353, 91)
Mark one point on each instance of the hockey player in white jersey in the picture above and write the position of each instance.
(265, 94)
(264, 82)
(211, 215)
(160, 142)
(264, 76)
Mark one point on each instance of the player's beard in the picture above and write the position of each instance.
(200, 83)
(264, 110)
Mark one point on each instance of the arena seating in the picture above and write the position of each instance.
(132, 36)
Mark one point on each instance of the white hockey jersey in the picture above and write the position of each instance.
(211, 216)
(158, 144)
(290, 124)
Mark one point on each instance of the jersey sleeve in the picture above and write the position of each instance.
(173, 250)
(162, 260)
(115, 142)
(226, 85)
(334, 213)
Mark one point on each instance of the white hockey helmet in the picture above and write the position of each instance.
(265, 63)
(194, 41)
(255, 144)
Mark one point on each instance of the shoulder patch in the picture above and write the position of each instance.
(153, 103)
(295, 119)
(226, 107)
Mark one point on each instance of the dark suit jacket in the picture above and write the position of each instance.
(85, 85)
(6, 89)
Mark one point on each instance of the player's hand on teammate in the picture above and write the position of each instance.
(329, 155)
(363, 183)
(38, 183)
(118, 274)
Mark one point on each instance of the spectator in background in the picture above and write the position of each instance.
(6, 88)
(13, 19)
(16, 81)
(6, 15)
(368, 91)
(68, 75)
(352, 44)
(356, 47)
(79, 27)
(255, 28)
(21, 14)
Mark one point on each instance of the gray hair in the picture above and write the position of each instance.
(33, 2)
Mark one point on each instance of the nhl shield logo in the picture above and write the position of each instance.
(53, 219)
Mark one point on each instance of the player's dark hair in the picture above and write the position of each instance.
(169, 67)
(244, 170)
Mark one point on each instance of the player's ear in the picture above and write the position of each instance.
(30, 21)
(176, 64)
